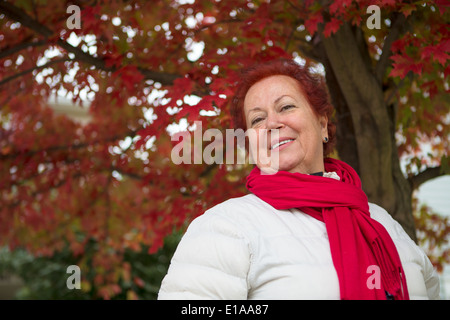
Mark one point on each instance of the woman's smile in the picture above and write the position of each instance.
(282, 144)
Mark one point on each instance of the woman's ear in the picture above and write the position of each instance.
(323, 120)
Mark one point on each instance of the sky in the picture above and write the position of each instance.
(436, 194)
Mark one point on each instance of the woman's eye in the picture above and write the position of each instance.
(256, 120)
(287, 107)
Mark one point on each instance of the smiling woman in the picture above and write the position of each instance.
(300, 145)
(306, 231)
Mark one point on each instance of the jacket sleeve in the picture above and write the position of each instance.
(211, 262)
(429, 273)
(410, 253)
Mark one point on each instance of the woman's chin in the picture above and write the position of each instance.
(286, 163)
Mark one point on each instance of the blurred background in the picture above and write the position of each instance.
(92, 94)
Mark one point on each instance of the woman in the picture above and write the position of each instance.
(306, 231)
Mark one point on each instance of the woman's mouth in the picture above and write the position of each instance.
(281, 143)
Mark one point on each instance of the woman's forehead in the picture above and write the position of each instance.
(271, 90)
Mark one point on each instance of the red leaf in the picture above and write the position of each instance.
(145, 134)
(398, 45)
(222, 86)
(113, 60)
(447, 72)
(311, 23)
(442, 5)
(338, 7)
(91, 18)
(438, 51)
(156, 245)
(332, 27)
(431, 87)
(130, 76)
(441, 57)
(139, 282)
(390, 3)
(403, 64)
(181, 87)
(427, 52)
(440, 54)
(205, 104)
(407, 9)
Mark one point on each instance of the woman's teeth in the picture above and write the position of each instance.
(281, 143)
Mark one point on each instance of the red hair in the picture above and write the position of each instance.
(312, 86)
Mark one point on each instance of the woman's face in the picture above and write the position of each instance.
(277, 102)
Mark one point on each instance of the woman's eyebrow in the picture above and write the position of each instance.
(281, 97)
(255, 109)
(274, 102)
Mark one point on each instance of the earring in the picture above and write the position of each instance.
(325, 140)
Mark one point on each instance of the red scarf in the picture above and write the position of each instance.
(361, 248)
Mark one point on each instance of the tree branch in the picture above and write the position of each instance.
(20, 46)
(21, 16)
(216, 23)
(394, 34)
(41, 191)
(424, 176)
(17, 14)
(29, 153)
(310, 49)
(121, 171)
(24, 72)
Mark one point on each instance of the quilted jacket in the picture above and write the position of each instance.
(244, 248)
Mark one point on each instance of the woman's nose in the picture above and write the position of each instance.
(274, 122)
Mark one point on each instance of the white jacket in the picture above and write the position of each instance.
(244, 248)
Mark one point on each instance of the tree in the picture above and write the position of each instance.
(112, 180)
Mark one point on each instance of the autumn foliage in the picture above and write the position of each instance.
(139, 67)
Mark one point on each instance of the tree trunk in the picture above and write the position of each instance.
(365, 127)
